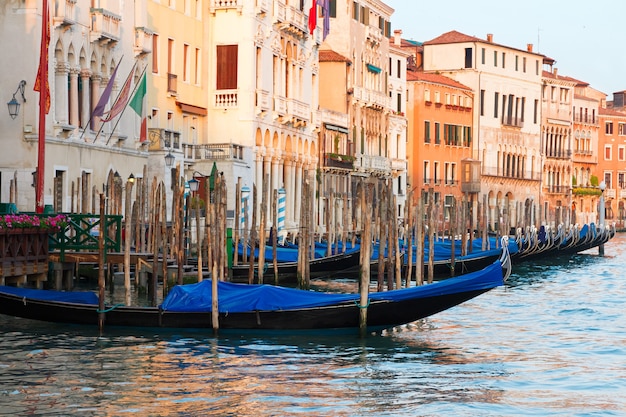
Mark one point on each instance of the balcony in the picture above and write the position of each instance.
(162, 139)
(263, 6)
(373, 99)
(143, 41)
(374, 35)
(512, 121)
(263, 101)
(298, 110)
(226, 99)
(65, 12)
(280, 106)
(559, 154)
(522, 175)
(294, 22)
(558, 189)
(279, 12)
(215, 5)
(333, 160)
(172, 83)
(212, 151)
(105, 26)
(375, 164)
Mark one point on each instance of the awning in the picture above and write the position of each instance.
(190, 108)
(335, 128)
(373, 68)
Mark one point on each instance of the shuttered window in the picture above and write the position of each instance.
(226, 67)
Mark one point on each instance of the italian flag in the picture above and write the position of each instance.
(138, 104)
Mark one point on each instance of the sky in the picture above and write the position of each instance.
(587, 39)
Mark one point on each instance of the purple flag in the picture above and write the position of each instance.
(106, 94)
(326, 10)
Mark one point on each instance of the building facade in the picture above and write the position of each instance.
(85, 46)
(507, 118)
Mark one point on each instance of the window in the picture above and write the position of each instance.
(621, 153)
(621, 179)
(437, 97)
(537, 67)
(482, 102)
(426, 95)
(495, 104)
(185, 62)
(516, 62)
(155, 53)
(333, 8)
(447, 98)
(197, 70)
(607, 152)
(621, 129)
(437, 133)
(390, 68)
(426, 131)
(226, 67)
(436, 176)
(355, 10)
(608, 128)
(503, 59)
(399, 68)
(524, 64)
(399, 103)
(170, 56)
(536, 111)
(468, 57)
(482, 56)
(426, 172)
(495, 58)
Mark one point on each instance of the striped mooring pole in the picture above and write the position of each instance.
(245, 195)
(282, 198)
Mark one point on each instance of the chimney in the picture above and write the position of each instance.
(397, 37)
(490, 37)
(555, 71)
(529, 47)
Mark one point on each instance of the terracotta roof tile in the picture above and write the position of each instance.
(331, 56)
(452, 37)
(431, 77)
(612, 112)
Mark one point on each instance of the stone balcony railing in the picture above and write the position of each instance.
(65, 12)
(212, 151)
(143, 40)
(105, 25)
(215, 5)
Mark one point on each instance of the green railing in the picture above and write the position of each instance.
(82, 234)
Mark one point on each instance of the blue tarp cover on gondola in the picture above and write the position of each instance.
(238, 298)
(76, 297)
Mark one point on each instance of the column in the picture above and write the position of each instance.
(259, 181)
(74, 120)
(95, 96)
(61, 93)
(85, 110)
(267, 170)
(298, 193)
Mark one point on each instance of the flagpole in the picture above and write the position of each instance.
(43, 96)
(122, 113)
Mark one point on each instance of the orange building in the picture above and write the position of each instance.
(612, 159)
(439, 111)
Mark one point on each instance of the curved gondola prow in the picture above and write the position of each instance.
(505, 258)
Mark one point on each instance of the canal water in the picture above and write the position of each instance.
(552, 342)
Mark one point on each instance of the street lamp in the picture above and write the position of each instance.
(169, 160)
(14, 105)
(193, 185)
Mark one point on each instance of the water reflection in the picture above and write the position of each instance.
(551, 342)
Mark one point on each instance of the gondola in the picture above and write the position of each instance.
(258, 307)
(288, 271)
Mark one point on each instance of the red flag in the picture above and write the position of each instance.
(313, 17)
(43, 58)
(122, 98)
